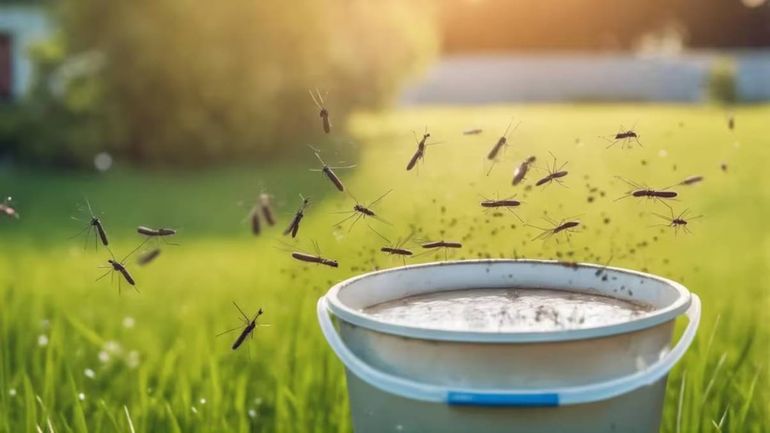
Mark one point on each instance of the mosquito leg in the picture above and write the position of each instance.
(354, 222)
(88, 235)
(346, 218)
(104, 275)
(245, 317)
(228, 331)
(515, 214)
(491, 166)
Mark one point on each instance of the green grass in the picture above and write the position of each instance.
(154, 376)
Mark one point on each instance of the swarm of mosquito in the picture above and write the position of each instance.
(262, 209)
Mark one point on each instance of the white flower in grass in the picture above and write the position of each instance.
(133, 359)
(12, 392)
(202, 400)
(89, 373)
(128, 322)
(104, 357)
(81, 396)
(194, 410)
(42, 340)
(102, 161)
(112, 347)
(252, 413)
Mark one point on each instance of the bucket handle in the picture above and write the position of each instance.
(509, 397)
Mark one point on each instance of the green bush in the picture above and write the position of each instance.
(191, 82)
(60, 121)
(721, 84)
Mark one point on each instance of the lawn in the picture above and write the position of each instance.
(78, 356)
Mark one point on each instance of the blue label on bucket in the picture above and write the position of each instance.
(491, 399)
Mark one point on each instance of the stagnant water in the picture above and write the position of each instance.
(507, 310)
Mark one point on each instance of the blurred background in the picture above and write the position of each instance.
(178, 82)
(180, 113)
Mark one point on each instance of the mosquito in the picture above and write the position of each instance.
(624, 137)
(677, 222)
(294, 226)
(148, 257)
(473, 131)
(120, 267)
(420, 152)
(360, 211)
(256, 225)
(731, 122)
(157, 234)
(508, 204)
(250, 325)
(501, 142)
(567, 226)
(328, 171)
(96, 225)
(554, 174)
(442, 244)
(521, 171)
(324, 113)
(396, 249)
(650, 193)
(149, 232)
(8, 210)
(317, 259)
(692, 180)
(265, 204)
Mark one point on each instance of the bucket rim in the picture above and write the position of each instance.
(657, 317)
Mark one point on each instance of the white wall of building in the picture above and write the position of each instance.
(26, 24)
(752, 81)
(499, 78)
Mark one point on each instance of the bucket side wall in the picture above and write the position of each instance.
(375, 411)
(511, 365)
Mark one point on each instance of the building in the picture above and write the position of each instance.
(22, 24)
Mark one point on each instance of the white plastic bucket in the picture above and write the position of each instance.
(603, 379)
